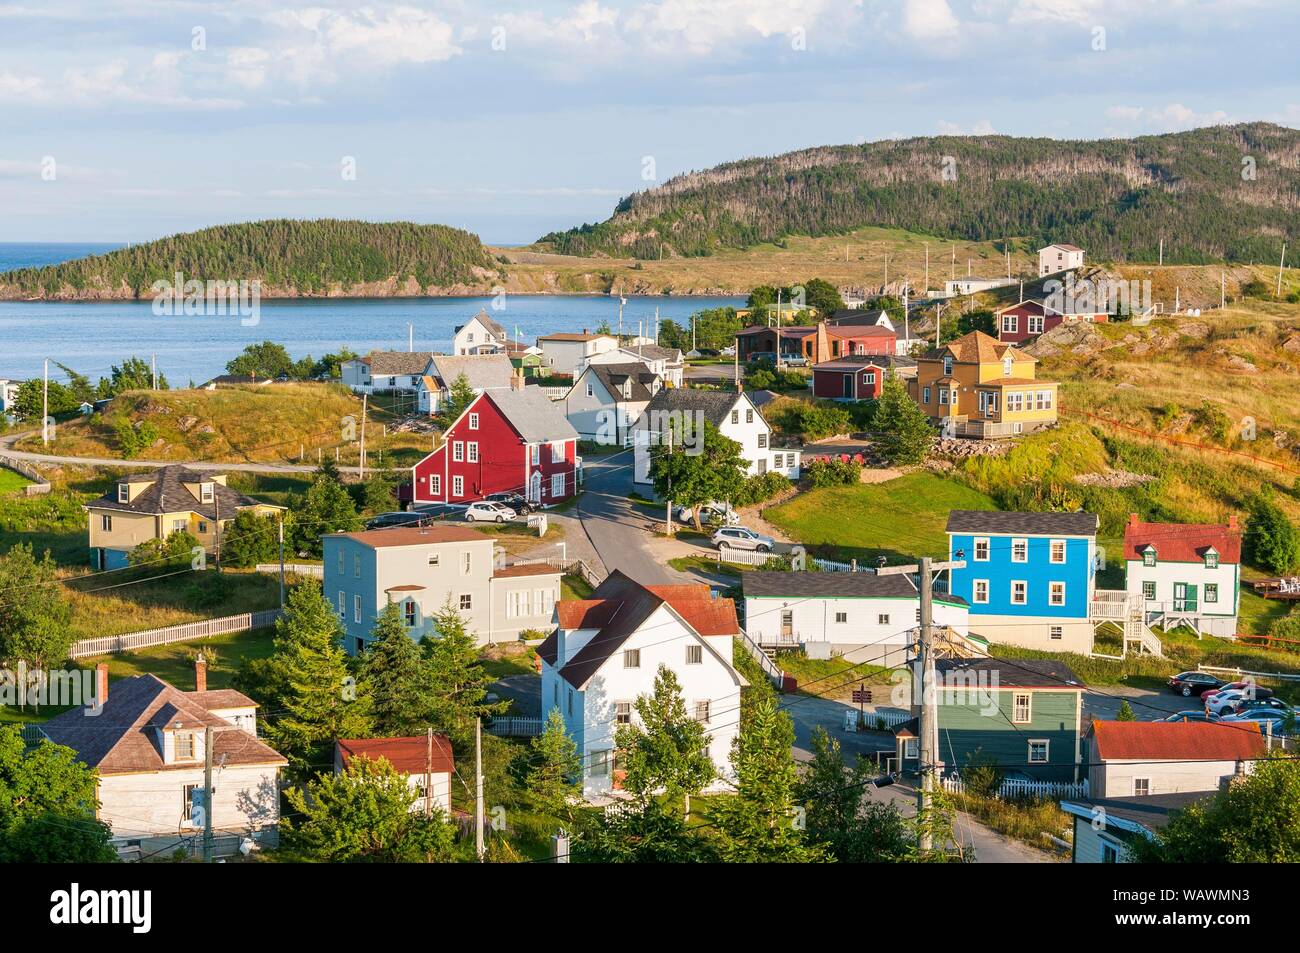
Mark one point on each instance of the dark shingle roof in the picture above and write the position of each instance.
(1013, 673)
(121, 738)
(1026, 524)
(1151, 811)
(168, 494)
(842, 585)
(714, 405)
(853, 362)
(385, 363)
(613, 376)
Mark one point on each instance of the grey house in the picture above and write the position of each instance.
(425, 569)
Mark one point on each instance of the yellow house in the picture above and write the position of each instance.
(979, 387)
(145, 506)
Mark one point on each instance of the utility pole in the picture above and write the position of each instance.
(938, 322)
(735, 353)
(45, 406)
(280, 525)
(428, 772)
(668, 504)
(1223, 290)
(216, 522)
(153, 364)
(365, 403)
(478, 788)
(621, 301)
(953, 276)
(207, 794)
(778, 329)
(1162, 253)
(923, 685)
(1008, 247)
(1281, 265)
(692, 328)
(927, 268)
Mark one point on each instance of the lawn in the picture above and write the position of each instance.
(11, 482)
(574, 587)
(829, 678)
(899, 519)
(175, 663)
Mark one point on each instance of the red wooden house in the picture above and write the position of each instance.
(1026, 320)
(858, 376)
(817, 342)
(508, 440)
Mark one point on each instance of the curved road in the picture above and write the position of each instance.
(617, 528)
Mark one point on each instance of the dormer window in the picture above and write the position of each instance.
(1149, 556)
(205, 492)
(1007, 366)
(184, 745)
(1211, 558)
(123, 493)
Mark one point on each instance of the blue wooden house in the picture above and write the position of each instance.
(1029, 577)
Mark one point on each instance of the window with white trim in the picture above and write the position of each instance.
(342, 570)
(1057, 549)
(981, 549)
(466, 563)
(947, 366)
(1141, 787)
(600, 763)
(471, 451)
(1056, 593)
(557, 484)
(841, 618)
(1035, 322)
(458, 451)
(702, 712)
(435, 484)
(356, 566)
(1019, 592)
(557, 452)
(980, 592)
(106, 523)
(1020, 550)
(1010, 323)
(1008, 365)
(622, 713)
(1039, 750)
(1022, 708)
(631, 658)
(535, 453)
(925, 395)
(1055, 633)
(408, 612)
(343, 605)
(473, 421)
(694, 655)
(206, 492)
(1211, 560)
(1211, 592)
(458, 485)
(1148, 557)
(356, 608)
(123, 493)
(466, 602)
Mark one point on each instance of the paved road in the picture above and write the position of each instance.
(29, 457)
(618, 530)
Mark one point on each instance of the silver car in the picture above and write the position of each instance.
(741, 537)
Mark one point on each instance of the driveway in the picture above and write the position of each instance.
(619, 531)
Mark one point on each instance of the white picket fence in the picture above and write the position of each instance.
(316, 570)
(174, 633)
(746, 557)
(1020, 787)
(889, 717)
(509, 726)
(554, 393)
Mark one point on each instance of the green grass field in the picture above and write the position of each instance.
(899, 519)
(11, 482)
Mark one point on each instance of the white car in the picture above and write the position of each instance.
(1222, 703)
(488, 512)
(741, 537)
(719, 513)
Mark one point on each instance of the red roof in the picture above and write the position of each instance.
(1177, 741)
(695, 603)
(859, 331)
(415, 536)
(1182, 542)
(406, 755)
(526, 569)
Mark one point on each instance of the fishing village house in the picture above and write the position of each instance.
(1185, 574)
(424, 569)
(607, 399)
(385, 371)
(1143, 758)
(425, 761)
(1058, 258)
(481, 334)
(482, 371)
(563, 353)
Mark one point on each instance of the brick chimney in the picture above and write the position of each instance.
(200, 674)
(101, 682)
(1232, 522)
(1132, 519)
(517, 379)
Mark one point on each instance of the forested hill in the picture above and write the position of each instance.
(289, 257)
(1115, 197)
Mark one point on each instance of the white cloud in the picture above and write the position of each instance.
(20, 88)
(1170, 118)
(929, 20)
(981, 128)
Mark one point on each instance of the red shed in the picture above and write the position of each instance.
(507, 440)
(855, 377)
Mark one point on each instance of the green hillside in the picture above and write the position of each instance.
(1115, 197)
(287, 256)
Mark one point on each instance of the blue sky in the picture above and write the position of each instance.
(513, 118)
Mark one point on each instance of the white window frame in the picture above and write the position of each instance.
(631, 658)
(466, 602)
(1053, 547)
(1047, 751)
(458, 451)
(694, 655)
(457, 485)
(1017, 542)
(435, 484)
(1052, 589)
(982, 543)
(1055, 633)
(975, 590)
(473, 421)
(1210, 593)
(1144, 782)
(356, 608)
(557, 485)
(123, 493)
(1028, 708)
(1024, 592)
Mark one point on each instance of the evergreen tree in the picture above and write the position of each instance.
(553, 765)
(397, 676)
(322, 701)
(460, 395)
(1272, 543)
(326, 507)
(903, 433)
(460, 681)
(668, 752)
(1125, 712)
(251, 539)
(836, 815)
(35, 614)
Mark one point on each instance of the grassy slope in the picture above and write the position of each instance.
(897, 519)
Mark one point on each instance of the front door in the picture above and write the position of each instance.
(848, 386)
(535, 488)
(1184, 597)
(787, 625)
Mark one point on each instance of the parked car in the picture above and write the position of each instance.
(728, 351)
(1226, 702)
(1264, 717)
(1248, 687)
(741, 537)
(1191, 715)
(1257, 704)
(489, 512)
(515, 501)
(1193, 683)
(712, 513)
(404, 518)
(794, 360)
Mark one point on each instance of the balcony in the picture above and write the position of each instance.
(1114, 605)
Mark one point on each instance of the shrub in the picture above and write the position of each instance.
(822, 473)
(1271, 541)
(177, 548)
(756, 489)
(982, 776)
(817, 421)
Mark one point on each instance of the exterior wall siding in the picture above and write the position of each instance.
(980, 726)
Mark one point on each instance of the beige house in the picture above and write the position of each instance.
(563, 354)
(153, 505)
(147, 748)
(1142, 758)
(423, 570)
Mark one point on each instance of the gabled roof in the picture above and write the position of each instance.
(567, 336)
(535, 417)
(834, 585)
(526, 569)
(1177, 741)
(653, 352)
(1149, 812)
(1001, 523)
(618, 607)
(787, 331)
(613, 376)
(844, 330)
(481, 370)
(388, 363)
(168, 494)
(1182, 542)
(854, 362)
(979, 348)
(121, 738)
(413, 536)
(1018, 673)
(714, 405)
(1062, 246)
(485, 319)
(410, 755)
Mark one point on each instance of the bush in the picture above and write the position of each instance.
(756, 489)
(177, 548)
(822, 473)
(982, 776)
(251, 539)
(816, 421)
(1271, 541)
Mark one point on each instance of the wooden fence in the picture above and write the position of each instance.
(1020, 787)
(39, 484)
(174, 633)
(575, 567)
(509, 726)
(316, 570)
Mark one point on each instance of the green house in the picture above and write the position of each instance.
(1024, 715)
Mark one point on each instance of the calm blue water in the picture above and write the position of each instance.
(90, 337)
